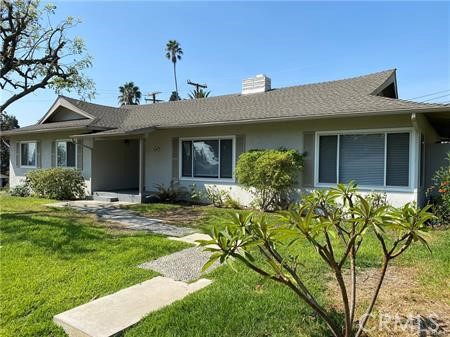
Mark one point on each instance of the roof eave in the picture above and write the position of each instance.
(18, 131)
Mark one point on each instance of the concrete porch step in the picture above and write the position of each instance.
(123, 196)
(105, 198)
(109, 315)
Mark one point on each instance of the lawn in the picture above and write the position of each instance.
(54, 260)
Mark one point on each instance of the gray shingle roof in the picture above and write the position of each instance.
(353, 96)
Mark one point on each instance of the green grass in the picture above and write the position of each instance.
(54, 260)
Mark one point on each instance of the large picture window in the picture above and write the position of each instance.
(207, 158)
(369, 159)
(28, 154)
(65, 154)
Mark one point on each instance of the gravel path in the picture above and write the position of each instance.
(184, 265)
(130, 220)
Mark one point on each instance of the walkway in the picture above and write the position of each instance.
(130, 220)
(110, 315)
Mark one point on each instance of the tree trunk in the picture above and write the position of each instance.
(175, 76)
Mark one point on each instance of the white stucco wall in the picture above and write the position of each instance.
(17, 174)
(158, 166)
(114, 163)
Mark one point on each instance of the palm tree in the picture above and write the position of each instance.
(173, 53)
(129, 94)
(200, 93)
(174, 97)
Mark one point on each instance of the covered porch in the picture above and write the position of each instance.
(117, 169)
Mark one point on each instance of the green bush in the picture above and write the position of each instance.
(21, 190)
(270, 175)
(439, 195)
(221, 198)
(56, 183)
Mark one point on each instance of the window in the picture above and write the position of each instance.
(369, 159)
(28, 154)
(207, 158)
(65, 154)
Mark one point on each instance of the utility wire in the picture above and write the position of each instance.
(430, 99)
(433, 93)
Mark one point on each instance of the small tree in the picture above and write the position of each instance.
(335, 223)
(270, 175)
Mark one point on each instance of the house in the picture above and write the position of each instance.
(351, 129)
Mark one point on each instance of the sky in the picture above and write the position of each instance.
(224, 42)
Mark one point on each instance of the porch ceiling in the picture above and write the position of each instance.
(440, 122)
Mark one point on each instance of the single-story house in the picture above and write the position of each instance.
(350, 129)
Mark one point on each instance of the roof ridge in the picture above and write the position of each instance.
(391, 70)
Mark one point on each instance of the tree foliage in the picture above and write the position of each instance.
(36, 54)
(56, 183)
(335, 224)
(7, 122)
(200, 93)
(174, 53)
(129, 94)
(174, 97)
(270, 175)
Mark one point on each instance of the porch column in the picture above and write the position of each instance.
(141, 166)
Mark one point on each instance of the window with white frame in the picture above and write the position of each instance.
(210, 158)
(28, 154)
(370, 159)
(65, 153)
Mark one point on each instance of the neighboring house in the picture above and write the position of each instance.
(351, 129)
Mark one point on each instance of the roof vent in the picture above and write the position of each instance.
(259, 83)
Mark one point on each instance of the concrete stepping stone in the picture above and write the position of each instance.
(185, 265)
(192, 238)
(109, 315)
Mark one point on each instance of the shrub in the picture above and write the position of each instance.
(439, 195)
(173, 192)
(221, 198)
(196, 195)
(21, 190)
(57, 183)
(335, 224)
(270, 175)
(216, 196)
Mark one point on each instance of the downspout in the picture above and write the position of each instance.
(414, 121)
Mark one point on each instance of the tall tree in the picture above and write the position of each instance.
(174, 53)
(36, 54)
(200, 93)
(129, 94)
(7, 122)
